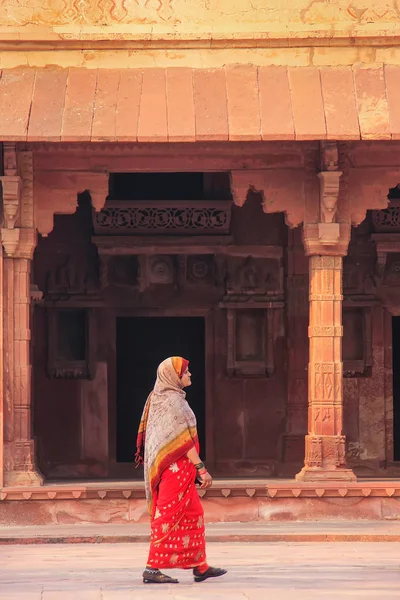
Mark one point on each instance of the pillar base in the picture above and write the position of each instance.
(313, 474)
(325, 459)
(21, 478)
(20, 464)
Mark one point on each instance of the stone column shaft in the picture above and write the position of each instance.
(20, 466)
(2, 402)
(325, 444)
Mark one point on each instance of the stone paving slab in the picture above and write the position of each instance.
(256, 571)
(319, 531)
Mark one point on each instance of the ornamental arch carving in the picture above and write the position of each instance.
(57, 192)
(281, 190)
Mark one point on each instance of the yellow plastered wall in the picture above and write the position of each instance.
(198, 33)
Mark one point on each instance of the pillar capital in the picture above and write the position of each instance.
(12, 190)
(19, 242)
(326, 239)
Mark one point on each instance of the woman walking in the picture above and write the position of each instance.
(168, 445)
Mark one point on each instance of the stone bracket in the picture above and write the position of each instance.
(19, 242)
(329, 187)
(329, 182)
(11, 184)
(12, 189)
(10, 240)
(17, 232)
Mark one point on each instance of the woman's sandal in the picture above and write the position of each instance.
(155, 576)
(211, 572)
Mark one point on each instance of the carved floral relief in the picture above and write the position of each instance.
(82, 12)
(104, 13)
(368, 11)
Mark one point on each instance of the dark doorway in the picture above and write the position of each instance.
(396, 386)
(142, 343)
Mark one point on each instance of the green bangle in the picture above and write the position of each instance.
(200, 465)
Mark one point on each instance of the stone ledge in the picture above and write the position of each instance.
(244, 488)
(80, 38)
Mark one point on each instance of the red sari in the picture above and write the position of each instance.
(167, 432)
(177, 524)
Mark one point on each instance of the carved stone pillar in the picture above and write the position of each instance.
(2, 399)
(19, 240)
(20, 466)
(326, 242)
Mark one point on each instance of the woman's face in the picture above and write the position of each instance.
(186, 378)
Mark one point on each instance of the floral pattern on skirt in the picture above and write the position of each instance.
(177, 525)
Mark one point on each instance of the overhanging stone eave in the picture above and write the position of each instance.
(171, 105)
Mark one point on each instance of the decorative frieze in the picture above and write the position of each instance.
(172, 218)
(386, 221)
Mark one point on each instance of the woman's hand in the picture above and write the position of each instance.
(206, 479)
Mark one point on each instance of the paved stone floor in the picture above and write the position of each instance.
(257, 571)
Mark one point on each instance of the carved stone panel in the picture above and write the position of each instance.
(157, 270)
(358, 275)
(122, 270)
(392, 270)
(74, 274)
(250, 342)
(71, 344)
(254, 277)
(357, 341)
(201, 270)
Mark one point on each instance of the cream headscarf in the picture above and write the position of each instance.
(168, 426)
